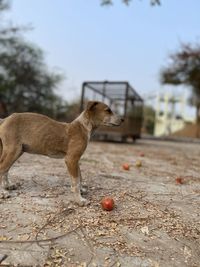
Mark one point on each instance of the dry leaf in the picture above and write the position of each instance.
(145, 230)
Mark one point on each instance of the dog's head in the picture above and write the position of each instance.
(101, 115)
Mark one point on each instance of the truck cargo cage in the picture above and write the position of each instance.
(122, 99)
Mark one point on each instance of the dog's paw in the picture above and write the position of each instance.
(4, 194)
(82, 202)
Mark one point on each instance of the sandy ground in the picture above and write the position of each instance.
(156, 222)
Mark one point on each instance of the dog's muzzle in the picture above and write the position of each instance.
(114, 121)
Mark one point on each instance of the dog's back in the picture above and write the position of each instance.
(35, 133)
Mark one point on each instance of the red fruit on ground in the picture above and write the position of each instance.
(107, 203)
(141, 154)
(126, 166)
(179, 180)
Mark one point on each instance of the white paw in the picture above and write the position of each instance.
(82, 201)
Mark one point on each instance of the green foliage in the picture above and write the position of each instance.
(24, 80)
(149, 119)
(184, 68)
(127, 2)
(73, 110)
(26, 84)
(3, 5)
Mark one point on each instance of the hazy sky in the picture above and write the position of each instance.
(89, 42)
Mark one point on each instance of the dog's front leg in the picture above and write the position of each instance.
(74, 171)
(84, 189)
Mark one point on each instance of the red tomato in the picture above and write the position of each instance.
(107, 203)
(179, 180)
(126, 166)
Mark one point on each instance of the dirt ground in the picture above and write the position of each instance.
(156, 222)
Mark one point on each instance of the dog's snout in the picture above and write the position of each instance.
(122, 119)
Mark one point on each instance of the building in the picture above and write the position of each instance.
(170, 119)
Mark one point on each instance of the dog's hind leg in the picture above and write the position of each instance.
(8, 157)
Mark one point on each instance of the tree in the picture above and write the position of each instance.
(26, 84)
(184, 68)
(24, 80)
(127, 2)
(149, 119)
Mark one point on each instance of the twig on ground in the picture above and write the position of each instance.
(3, 257)
(35, 182)
(88, 243)
(110, 176)
(65, 211)
(135, 197)
(38, 240)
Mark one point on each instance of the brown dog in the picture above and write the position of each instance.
(38, 134)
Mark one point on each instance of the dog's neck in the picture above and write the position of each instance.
(86, 122)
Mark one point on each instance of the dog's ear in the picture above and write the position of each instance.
(91, 105)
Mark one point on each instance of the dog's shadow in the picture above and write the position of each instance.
(48, 187)
(34, 185)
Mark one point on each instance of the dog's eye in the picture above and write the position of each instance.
(109, 110)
